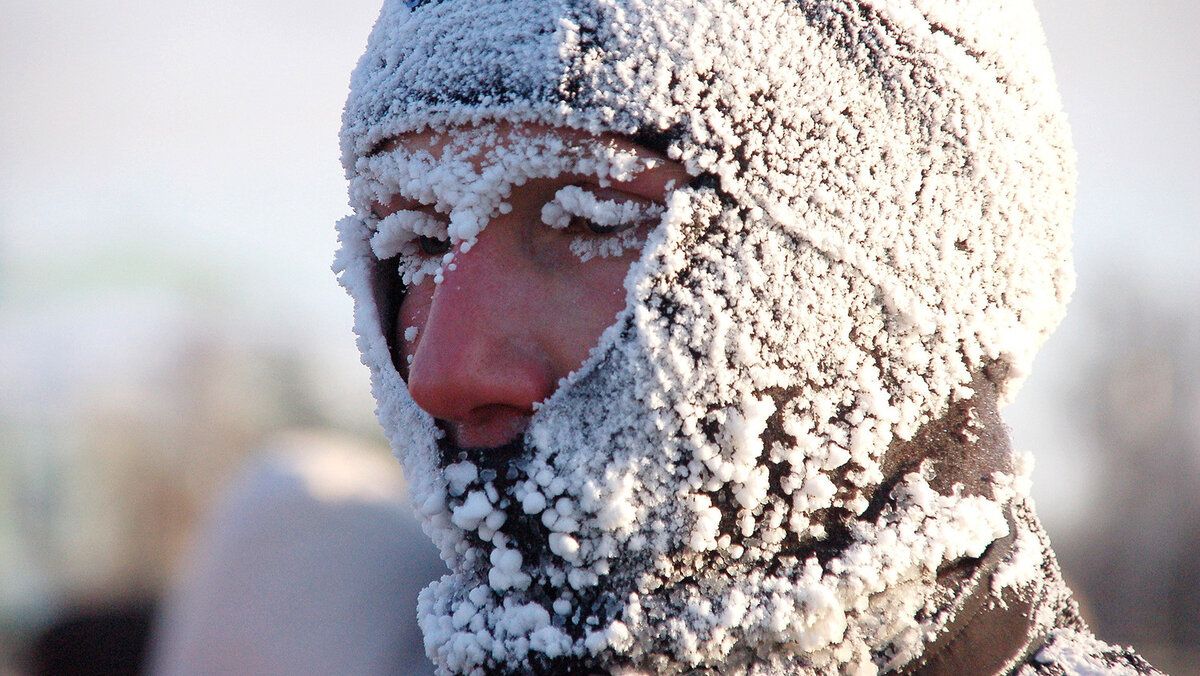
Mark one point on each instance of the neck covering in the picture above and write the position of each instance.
(880, 214)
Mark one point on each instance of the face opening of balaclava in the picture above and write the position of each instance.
(879, 215)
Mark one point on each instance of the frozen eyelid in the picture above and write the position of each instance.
(407, 236)
(401, 227)
(609, 215)
(615, 244)
(602, 229)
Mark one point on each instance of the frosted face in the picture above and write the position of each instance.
(703, 492)
(494, 315)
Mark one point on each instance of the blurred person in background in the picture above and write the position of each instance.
(311, 565)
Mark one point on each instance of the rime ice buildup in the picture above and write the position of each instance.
(783, 456)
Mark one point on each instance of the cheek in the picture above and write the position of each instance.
(600, 295)
(607, 283)
(410, 322)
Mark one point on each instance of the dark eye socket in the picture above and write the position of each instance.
(432, 246)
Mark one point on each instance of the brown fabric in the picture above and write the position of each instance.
(962, 450)
(985, 633)
(986, 645)
(965, 446)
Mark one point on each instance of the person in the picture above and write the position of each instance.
(309, 566)
(690, 321)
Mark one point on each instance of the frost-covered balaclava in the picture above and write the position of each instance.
(880, 214)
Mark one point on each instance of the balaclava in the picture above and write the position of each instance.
(878, 224)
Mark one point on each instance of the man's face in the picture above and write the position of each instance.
(514, 300)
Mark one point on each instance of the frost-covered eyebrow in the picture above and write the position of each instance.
(399, 203)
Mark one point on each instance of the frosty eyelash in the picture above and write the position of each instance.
(608, 216)
(402, 235)
(402, 227)
(612, 220)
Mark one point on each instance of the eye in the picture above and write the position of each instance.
(581, 224)
(599, 212)
(433, 246)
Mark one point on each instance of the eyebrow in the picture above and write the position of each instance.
(397, 203)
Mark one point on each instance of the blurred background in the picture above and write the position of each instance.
(169, 181)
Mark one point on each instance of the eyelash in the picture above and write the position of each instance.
(600, 213)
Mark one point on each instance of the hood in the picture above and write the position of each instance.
(880, 214)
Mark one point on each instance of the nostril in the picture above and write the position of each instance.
(500, 461)
(489, 426)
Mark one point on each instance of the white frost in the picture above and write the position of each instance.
(881, 209)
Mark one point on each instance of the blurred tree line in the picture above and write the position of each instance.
(1136, 562)
(114, 449)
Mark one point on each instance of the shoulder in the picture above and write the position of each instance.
(1069, 652)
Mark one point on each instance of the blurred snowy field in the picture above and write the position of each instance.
(169, 181)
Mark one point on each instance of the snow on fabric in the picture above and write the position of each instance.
(881, 207)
